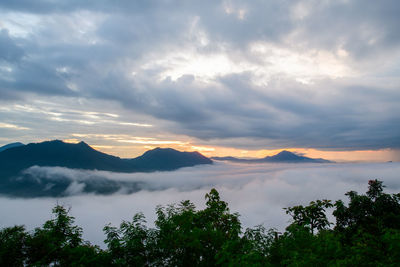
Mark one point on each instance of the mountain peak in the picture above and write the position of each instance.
(163, 149)
(285, 152)
(168, 159)
(284, 156)
(159, 150)
(287, 156)
(82, 143)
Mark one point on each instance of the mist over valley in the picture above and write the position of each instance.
(258, 191)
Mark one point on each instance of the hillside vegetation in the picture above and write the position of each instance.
(366, 233)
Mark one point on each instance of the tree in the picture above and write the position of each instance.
(312, 216)
(13, 246)
(129, 244)
(196, 238)
(371, 212)
(59, 243)
(363, 225)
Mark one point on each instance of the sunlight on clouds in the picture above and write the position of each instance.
(115, 137)
(33, 109)
(136, 124)
(12, 126)
(202, 148)
(342, 53)
(63, 114)
(304, 67)
(204, 67)
(102, 147)
(264, 60)
(151, 142)
(71, 120)
(72, 141)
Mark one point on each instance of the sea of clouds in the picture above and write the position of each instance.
(259, 192)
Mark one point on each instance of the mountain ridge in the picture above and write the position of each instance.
(17, 164)
(282, 157)
(83, 156)
(11, 145)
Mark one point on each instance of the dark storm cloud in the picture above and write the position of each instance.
(119, 52)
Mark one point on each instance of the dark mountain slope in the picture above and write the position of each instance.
(165, 159)
(82, 156)
(16, 181)
(286, 156)
(17, 144)
(58, 153)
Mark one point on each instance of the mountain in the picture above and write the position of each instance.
(17, 144)
(58, 153)
(82, 156)
(167, 159)
(286, 156)
(283, 157)
(17, 181)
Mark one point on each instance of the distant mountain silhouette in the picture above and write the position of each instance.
(283, 156)
(167, 159)
(14, 160)
(17, 144)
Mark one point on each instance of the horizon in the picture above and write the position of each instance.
(272, 153)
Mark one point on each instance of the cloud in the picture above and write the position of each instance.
(9, 50)
(12, 126)
(277, 74)
(74, 188)
(259, 192)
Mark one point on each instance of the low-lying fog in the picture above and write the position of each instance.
(259, 192)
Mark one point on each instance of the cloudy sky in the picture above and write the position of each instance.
(244, 78)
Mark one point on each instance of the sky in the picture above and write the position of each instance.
(258, 192)
(241, 78)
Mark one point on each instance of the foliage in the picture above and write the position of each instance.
(12, 246)
(312, 216)
(58, 243)
(366, 232)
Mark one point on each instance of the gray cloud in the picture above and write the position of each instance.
(9, 50)
(259, 192)
(126, 53)
(363, 27)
